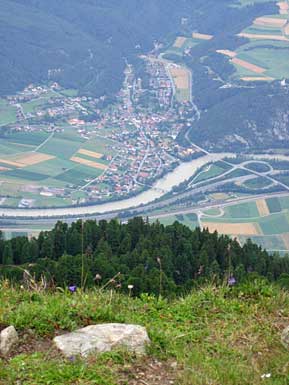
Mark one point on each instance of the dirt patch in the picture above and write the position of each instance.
(285, 238)
(180, 41)
(220, 196)
(286, 29)
(262, 208)
(256, 78)
(233, 228)
(149, 372)
(89, 163)
(248, 66)
(29, 344)
(284, 7)
(2, 327)
(270, 21)
(28, 159)
(11, 163)
(263, 37)
(201, 36)
(181, 77)
(92, 154)
(33, 158)
(227, 52)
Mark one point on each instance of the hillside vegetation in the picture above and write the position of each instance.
(158, 259)
(212, 336)
(84, 44)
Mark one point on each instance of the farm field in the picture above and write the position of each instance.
(181, 77)
(8, 114)
(181, 44)
(265, 221)
(40, 169)
(190, 220)
(265, 55)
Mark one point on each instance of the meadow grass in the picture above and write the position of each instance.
(215, 335)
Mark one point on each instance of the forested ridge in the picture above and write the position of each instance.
(152, 257)
(84, 44)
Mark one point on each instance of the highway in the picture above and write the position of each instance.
(163, 206)
(219, 204)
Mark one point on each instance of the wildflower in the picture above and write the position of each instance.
(266, 375)
(130, 287)
(72, 289)
(98, 277)
(232, 281)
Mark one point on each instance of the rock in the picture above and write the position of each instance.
(103, 338)
(8, 338)
(285, 338)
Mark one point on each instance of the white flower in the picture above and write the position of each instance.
(266, 375)
(130, 287)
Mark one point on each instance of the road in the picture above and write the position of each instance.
(69, 214)
(45, 223)
(220, 204)
(136, 211)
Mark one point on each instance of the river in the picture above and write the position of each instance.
(164, 185)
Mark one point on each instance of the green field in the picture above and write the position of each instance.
(211, 171)
(272, 227)
(24, 138)
(7, 113)
(257, 183)
(189, 220)
(189, 43)
(270, 54)
(274, 205)
(29, 107)
(58, 173)
(245, 210)
(275, 224)
(270, 243)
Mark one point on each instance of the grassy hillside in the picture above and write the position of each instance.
(212, 336)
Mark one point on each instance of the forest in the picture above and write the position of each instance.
(137, 257)
(84, 45)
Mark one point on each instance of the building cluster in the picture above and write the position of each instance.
(140, 142)
(160, 83)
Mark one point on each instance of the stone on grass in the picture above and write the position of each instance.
(8, 338)
(103, 338)
(285, 338)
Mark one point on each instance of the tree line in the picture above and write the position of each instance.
(141, 256)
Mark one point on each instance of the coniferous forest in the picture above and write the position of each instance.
(145, 257)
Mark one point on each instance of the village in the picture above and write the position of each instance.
(139, 138)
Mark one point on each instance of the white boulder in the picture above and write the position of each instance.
(8, 338)
(103, 338)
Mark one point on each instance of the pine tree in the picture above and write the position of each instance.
(8, 254)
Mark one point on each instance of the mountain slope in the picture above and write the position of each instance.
(212, 336)
(84, 44)
(86, 41)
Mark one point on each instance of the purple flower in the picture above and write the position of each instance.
(232, 281)
(72, 289)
